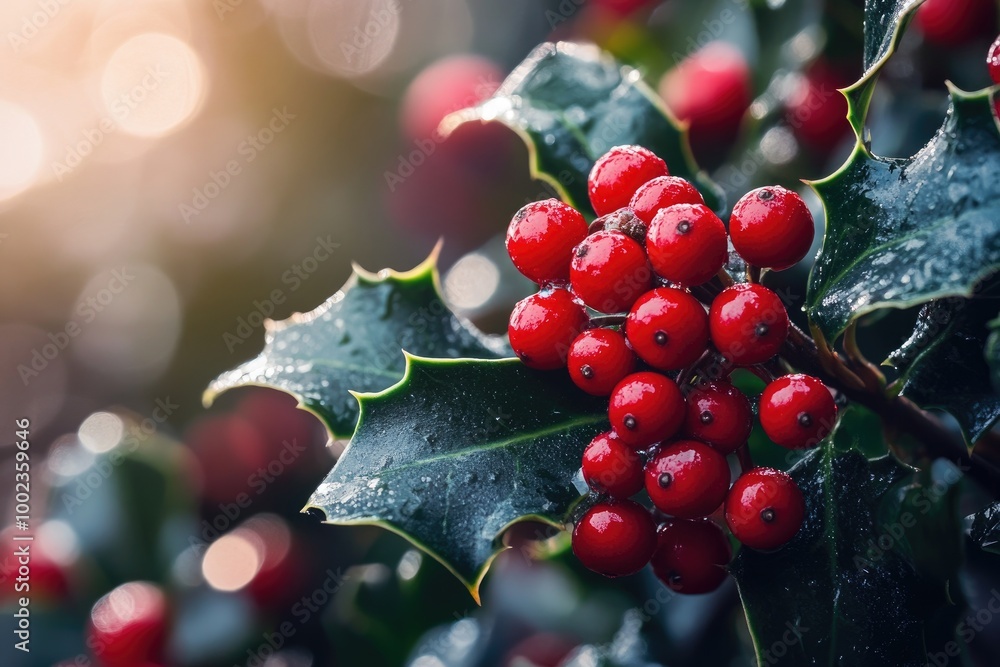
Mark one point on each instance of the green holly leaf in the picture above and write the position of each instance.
(571, 103)
(985, 528)
(901, 232)
(992, 353)
(354, 342)
(949, 371)
(885, 23)
(847, 557)
(458, 451)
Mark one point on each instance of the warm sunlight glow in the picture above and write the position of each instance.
(152, 84)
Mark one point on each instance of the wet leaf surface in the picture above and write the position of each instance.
(354, 342)
(901, 232)
(571, 103)
(812, 601)
(457, 451)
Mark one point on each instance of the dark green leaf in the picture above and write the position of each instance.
(354, 342)
(901, 232)
(992, 353)
(885, 23)
(950, 373)
(459, 450)
(839, 593)
(985, 530)
(859, 429)
(571, 103)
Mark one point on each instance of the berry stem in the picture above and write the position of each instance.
(745, 458)
(899, 413)
(607, 321)
(753, 274)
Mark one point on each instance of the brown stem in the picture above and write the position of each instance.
(898, 412)
(745, 459)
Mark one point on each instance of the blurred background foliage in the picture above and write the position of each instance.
(173, 172)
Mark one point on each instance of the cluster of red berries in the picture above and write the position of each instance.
(649, 348)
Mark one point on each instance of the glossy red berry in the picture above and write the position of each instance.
(748, 324)
(543, 326)
(598, 360)
(610, 466)
(718, 413)
(764, 509)
(660, 193)
(609, 271)
(771, 227)
(687, 244)
(615, 538)
(667, 328)
(541, 238)
(687, 479)
(797, 411)
(128, 626)
(691, 556)
(993, 61)
(617, 175)
(646, 408)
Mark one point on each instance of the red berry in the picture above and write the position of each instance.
(610, 466)
(615, 538)
(447, 85)
(543, 326)
(598, 360)
(646, 408)
(797, 411)
(816, 111)
(609, 271)
(617, 175)
(993, 61)
(128, 626)
(687, 244)
(771, 227)
(688, 479)
(748, 324)
(764, 509)
(660, 193)
(711, 90)
(691, 556)
(668, 328)
(541, 238)
(718, 413)
(953, 22)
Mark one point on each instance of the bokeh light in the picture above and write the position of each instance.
(101, 432)
(24, 150)
(152, 84)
